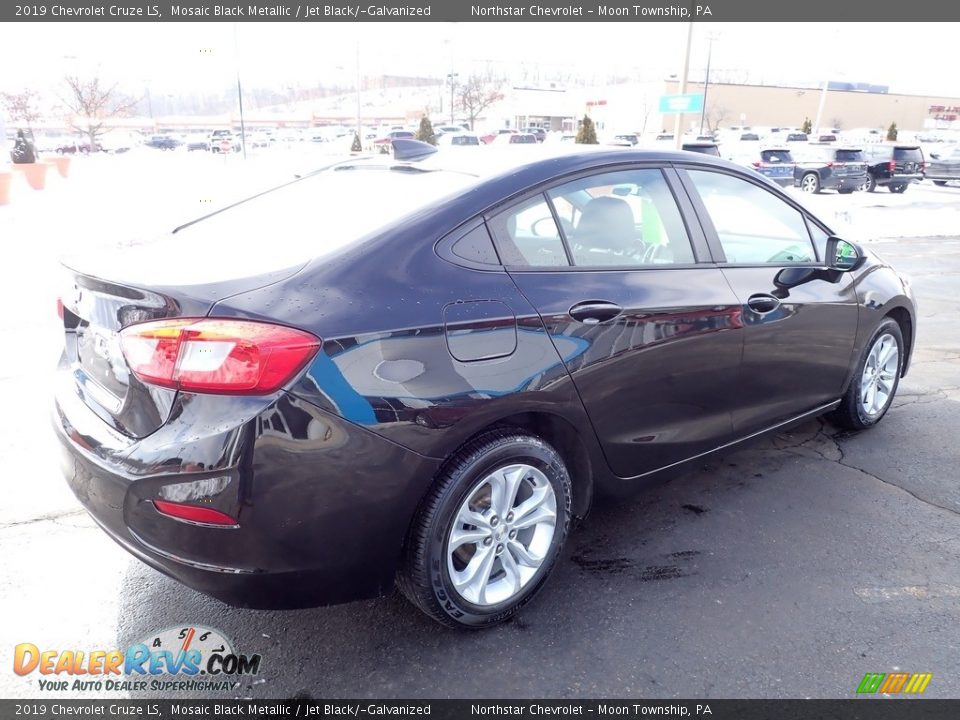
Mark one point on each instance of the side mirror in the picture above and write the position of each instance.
(842, 255)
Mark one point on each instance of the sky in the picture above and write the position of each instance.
(199, 57)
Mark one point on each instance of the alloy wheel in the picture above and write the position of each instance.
(879, 375)
(501, 534)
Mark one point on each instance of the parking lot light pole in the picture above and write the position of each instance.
(677, 125)
(706, 81)
(452, 77)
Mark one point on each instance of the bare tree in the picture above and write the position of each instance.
(22, 107)
(91, 103)
(714, 116)
(476, 94)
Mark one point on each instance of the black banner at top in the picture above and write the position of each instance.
(481, 11)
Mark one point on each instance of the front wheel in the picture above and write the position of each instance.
(870, 185)
(490, 532)
(875, 380)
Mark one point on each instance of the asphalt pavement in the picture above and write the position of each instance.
(786, 569)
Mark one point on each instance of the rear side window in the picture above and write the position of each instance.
(527, 235)
(753, 225)
(776, 156)
(849, 156)
(476, 246)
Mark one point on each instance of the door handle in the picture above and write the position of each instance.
(762, 303)
(592, 312)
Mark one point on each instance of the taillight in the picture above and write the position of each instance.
(213, 355)
(892, 166)
(60, 308)
(193, 513)
(831, 164)
(758, 164)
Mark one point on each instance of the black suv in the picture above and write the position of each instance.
(894, 166)
(827, 167)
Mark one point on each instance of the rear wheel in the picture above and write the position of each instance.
(488, 535)
(845, 191)
(871, 184)
(899, 189)
(810, 183)
(875, 380)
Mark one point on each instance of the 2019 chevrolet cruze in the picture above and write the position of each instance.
(403, 369)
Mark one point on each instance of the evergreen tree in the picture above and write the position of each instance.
(356, 146)
(892, 131)
(807, 126)
(425, 133)
(587, 134)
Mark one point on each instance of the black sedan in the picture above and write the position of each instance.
(306, 396)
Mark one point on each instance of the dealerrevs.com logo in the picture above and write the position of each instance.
(188, 658)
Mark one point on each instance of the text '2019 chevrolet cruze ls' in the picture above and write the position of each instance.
(398, 369)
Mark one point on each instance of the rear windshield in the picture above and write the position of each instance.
(749, 137)
(797, 137)
(523, 139)
(776, 156)
(907, 155)
(310, 218)
(464, 140)
(849, 156)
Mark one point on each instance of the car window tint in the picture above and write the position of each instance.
(753, 225)
(907, 155)
(627, 218)
(776, 156)
(476, 246)
(849, 156)
(527, 234)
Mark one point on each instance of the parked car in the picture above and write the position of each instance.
(197, 143)
(830, 167)
(224, 141)
(707, 148)
(749, 137)
(626, 139)
(775, 164)
(537, 132)
(944, 166)
(304, 421)
(893, 166)
(826, 138)
(489, 137)
(515, 139)
(162, 142)
(74, 148)
(463, 138)
(797, 137)
(384, 143)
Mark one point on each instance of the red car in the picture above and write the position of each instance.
(383, 144)
(488, 138)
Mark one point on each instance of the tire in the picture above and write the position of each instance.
(430, 572)
(854, 411)
(810, 183)
(899, 189)
(871, 184)
(939, 183)
(845, 191)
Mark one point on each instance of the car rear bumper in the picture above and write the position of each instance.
(314, 527)
(900, 179)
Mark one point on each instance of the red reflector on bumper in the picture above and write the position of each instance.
(192, 513)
